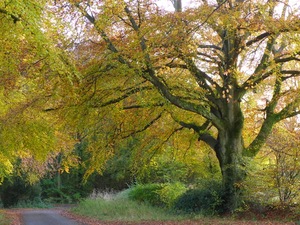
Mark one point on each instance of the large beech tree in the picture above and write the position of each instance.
(196, 68)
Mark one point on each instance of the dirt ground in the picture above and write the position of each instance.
(16, 216)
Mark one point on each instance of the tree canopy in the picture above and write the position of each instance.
(205, 73)
(32, 73)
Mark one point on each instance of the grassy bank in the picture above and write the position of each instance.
(119, 207)
(123, 210)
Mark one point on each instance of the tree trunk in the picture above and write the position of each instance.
(58, 179)
(229, 150)
(177, 5)
(233, 171)
(232, 167)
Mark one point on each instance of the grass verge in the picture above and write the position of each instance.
(3, 219)
(122, 210)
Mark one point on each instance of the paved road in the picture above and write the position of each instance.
(46, 217)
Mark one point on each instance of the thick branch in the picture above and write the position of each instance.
(193, 126)
(258, 38)
(271, 117)
(262, 136)
(175, 100)
(200, 130)
(176, 65)
(264, 62)
(292, 109)
(276, 95)
(287, 59)
(102, 33)
(122, 97)
(144, 127)
(292, 73)
(208, 139)
(288, 26)
(15, 18)
(259, 74)
(142, 39)
(149, 74)
(201, 77)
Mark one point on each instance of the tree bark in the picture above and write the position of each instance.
(229, 150)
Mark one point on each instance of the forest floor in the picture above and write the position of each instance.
(274, 217)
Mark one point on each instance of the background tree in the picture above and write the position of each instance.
(191, 70)
(276, 168)
(32, 73)
(284, 165)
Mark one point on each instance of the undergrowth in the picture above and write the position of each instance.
(33, 204)
(122, 209)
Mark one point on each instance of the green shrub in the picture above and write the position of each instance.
(170, 192)
(146, 193)
(68, 190)
(16, 189)
(56, 195)
(35, 203)
(205, 200)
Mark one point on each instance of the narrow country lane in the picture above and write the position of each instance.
(46, 217)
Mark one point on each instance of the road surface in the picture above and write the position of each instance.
(46, 217)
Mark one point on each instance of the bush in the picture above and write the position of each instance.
(146, 193)
(35, 203)
(170, 192)
(205, 200)
(15, 190)
(69, 191)
(56, 195)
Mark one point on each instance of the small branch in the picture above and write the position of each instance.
(213, 60)
(208, 17)
(143, 106)
(211, 47)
